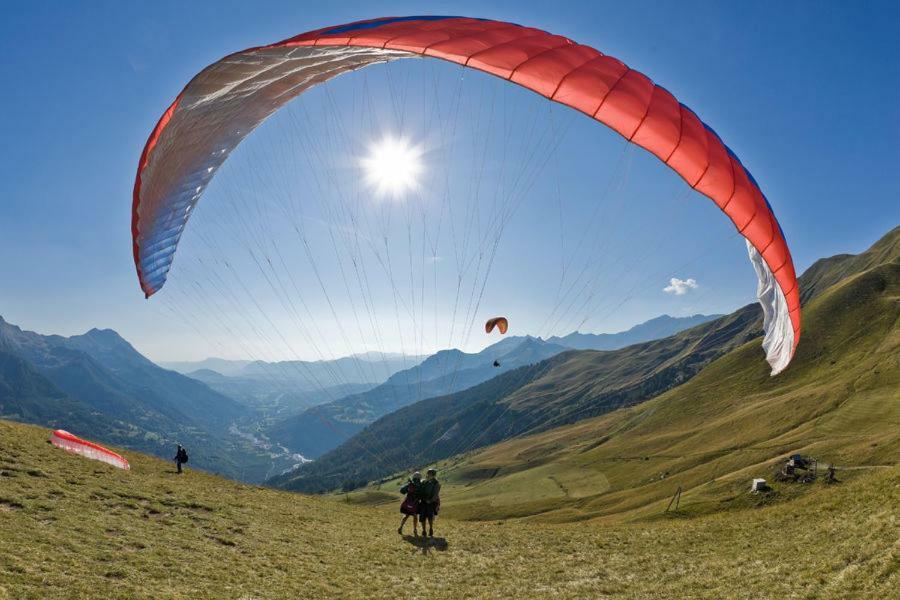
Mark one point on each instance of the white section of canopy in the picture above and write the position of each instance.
(778, 342)
(89, 452)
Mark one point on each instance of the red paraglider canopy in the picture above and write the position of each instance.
(228, 99)
(72, 443)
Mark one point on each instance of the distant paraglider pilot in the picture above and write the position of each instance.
(430, 503)
(181, 457)
(501, 324)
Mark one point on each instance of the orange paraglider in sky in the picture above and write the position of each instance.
(497, 322)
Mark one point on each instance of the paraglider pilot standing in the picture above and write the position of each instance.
(181, 457)
(430, 502)
(410, 506)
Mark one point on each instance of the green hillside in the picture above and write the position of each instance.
(574, 386)
(839, 401)
(75, 528)
(826, 272)
(97, 385)
(322, 428)
(563, 389)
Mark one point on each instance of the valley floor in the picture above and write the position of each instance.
(75, 528)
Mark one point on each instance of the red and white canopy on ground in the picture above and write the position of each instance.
(72, 443)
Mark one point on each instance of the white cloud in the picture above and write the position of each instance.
(680, 287)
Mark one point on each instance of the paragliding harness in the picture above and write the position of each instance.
(181, 456)
(410, 505)
(429, 507)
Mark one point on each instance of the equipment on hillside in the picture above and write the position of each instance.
(72, 443)
(798, 469)
(759, 485)
(676, 498)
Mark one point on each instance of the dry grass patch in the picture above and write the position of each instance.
(81, 531)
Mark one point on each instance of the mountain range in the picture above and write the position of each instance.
(538, 394)
(277, 390)
(324, 427)
(838, 402)
(240, 418)
(578, 385)
(369, 368)
(98, 385)
(661, 327)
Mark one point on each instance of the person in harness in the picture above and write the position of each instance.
(181, 457)
(410, 505)
(430, 503)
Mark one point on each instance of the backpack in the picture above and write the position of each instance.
(184, 456)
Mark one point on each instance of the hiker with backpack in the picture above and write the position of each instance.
(430, 503)
(410, 505)
(181, 457)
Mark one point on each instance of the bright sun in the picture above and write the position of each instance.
(393, 166)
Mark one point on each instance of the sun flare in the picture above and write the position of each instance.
(392, 166)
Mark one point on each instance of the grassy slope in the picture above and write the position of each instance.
(826, 272)
(568, 388)
(839, 401)
(74, 528)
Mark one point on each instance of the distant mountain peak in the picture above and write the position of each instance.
(105, 338)
(106, 335)
(7, 325)
(656, 328)
(205, 373)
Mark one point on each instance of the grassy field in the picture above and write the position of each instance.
(74, 528)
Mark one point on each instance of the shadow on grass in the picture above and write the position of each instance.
(427, 544)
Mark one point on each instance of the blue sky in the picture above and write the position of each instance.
(805, 93)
